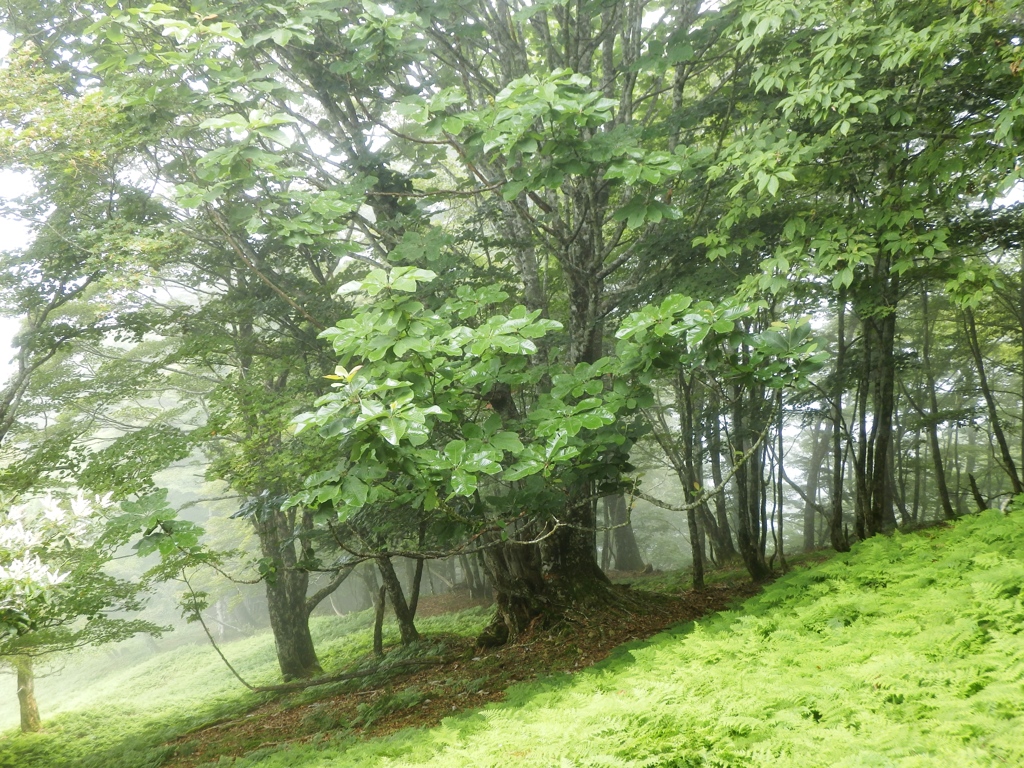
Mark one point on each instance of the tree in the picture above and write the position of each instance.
(532, 153)
(55, 595)
(873, 123)
(239, 347)
(442, 430)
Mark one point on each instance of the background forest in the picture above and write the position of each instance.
(331, 305)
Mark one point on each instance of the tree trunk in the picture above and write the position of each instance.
(780, 543)
(861, 461)
(414, 589)
(915, 510)
(993, 414)
(286, 597)
(877, 313)
(933, 419)
(468, 576)
(696, 548)
(819, 447)
(883, 403)
(748, 486)
(979, 500)
(569, 554)
(379, 605)
(406, 626)
(30, 720)
(606, 541)
(624, 546)
(724, 548)
(520, 592)
(837, 535)
(684, 388)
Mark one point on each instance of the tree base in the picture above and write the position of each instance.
(519, 615)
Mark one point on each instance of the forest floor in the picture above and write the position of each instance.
(473, 677)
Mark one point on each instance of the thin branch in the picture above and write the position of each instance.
(245, 254)
(707, 495)
(199, 617)
(318, 597)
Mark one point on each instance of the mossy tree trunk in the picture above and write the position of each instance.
(399, 603)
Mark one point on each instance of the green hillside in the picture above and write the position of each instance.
(907, 651)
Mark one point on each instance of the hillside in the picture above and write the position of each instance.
(908, 651)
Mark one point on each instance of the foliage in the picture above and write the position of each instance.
(54, 592)
(441, 412)
(852, 149)
(871, 122)
(906, 650)
(679, 333)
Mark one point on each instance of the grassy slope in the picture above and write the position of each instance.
(125, 711)
(909, 651)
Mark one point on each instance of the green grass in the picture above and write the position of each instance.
(126, 712)
(907, 652)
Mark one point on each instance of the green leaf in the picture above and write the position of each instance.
(506, 441)
(522, 469)
(463, 483)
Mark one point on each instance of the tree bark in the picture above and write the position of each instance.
(29, 708)
(979, 500)
(876, 309)
(569, 553)
(749, 485)
(414, 589)
(286, 596)
(883, 403)
(520, 591)
(379, 605)
(399, 604)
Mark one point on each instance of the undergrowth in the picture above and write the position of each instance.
(906, 652)
(126, 714)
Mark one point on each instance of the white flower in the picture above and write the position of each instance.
(82, 507)
(19, 538)
(52, 510)
(17, 512)
(31, 570)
